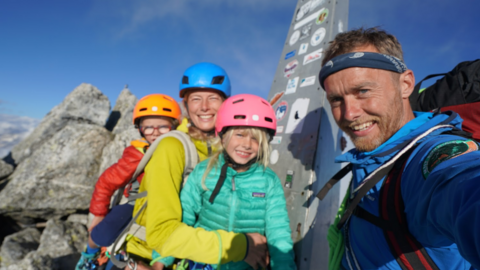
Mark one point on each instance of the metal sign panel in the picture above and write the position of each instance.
(307, 139)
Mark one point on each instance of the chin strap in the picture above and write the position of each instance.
(223, 173)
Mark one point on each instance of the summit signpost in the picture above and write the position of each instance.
(307, 139)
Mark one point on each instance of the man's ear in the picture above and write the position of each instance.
(407, 83)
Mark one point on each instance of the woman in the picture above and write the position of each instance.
(204, 87)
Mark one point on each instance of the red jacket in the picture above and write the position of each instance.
(115, 177)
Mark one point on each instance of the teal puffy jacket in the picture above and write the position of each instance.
(251, 201)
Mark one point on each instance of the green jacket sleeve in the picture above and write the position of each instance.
(278, 233)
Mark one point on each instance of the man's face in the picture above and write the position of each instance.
(367, 104)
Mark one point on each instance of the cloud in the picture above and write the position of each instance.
(13, 129)
(132, 16)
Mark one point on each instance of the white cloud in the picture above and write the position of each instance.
(14, 129)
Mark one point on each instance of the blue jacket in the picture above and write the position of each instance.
(442, 208)
(250, 201)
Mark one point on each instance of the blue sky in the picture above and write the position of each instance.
(49, 47)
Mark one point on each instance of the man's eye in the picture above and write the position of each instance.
(363, 91)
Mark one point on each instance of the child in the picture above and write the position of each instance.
(153, 116)
(235, 190)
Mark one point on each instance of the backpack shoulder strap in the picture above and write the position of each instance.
(409, 253)
(191, 155)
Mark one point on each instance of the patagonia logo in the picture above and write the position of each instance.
(258, 194)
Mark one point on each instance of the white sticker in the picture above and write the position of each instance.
(307, 81)
(340, 27)
(313, 56)
(255, 117)
(281, 110)
(318, 36)
(315, 4)
(274, 157)
(154, 108)
(303, 10)
(308, 19)
(306, 31)
(303, 48)
(292, 86)
(290, 68)
(297, 115)
(294, 37)
(276, 140)
(279, 129)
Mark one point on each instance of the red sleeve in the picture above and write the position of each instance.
(115, 177)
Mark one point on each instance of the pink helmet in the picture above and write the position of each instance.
(248, 111)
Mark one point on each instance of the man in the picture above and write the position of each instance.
(367, 86)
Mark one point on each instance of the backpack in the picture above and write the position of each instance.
(458, 91)
(134, 229)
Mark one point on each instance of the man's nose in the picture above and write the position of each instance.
(351, 109)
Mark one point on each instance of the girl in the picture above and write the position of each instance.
(153, 116)
(235, 190)
(203, 88)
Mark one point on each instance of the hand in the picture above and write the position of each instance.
(257, 251)
(157, 266)
(95, 222)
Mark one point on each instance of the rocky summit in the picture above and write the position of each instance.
(45, 194)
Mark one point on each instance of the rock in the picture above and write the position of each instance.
(79, 218)
(5, 169)
(85, 104)
(63, 241)
(16, 246)
(120, 118)
(114, 150)
(124, 129)
(59, 177)
(34, 261)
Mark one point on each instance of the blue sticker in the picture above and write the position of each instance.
(290, 54)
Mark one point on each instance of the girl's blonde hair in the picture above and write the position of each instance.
(263, 154)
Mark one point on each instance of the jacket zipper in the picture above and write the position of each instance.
(233, 206)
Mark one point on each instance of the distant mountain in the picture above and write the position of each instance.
(13, 129)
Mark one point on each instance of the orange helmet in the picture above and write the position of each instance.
(156, 105)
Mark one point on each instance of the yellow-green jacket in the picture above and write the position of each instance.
(162, 217)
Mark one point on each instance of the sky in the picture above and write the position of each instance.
(49, 47)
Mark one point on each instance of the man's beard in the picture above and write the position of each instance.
(388, 125)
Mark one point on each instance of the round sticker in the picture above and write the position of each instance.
(274, 157)
(322, 17)
(281, 110)
(154, 108)
(290, 68)
(294, 37)
(318, 36)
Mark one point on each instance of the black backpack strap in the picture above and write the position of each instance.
(409, 253)
(337, 177)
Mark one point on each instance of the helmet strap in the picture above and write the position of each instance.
(235, 165)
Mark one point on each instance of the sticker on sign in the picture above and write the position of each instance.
(313, 56)
(307, 81)
(292, 86)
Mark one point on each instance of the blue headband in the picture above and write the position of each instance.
(361, 59)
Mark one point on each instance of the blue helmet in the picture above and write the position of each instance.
(205, 75)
